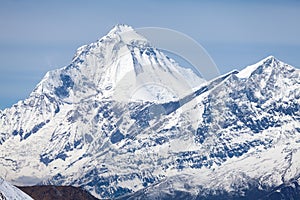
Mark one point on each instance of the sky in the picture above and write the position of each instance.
(38, 36)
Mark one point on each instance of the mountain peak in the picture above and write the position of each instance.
(120, 28)
(103, 67)
(123, 33)
(270, 61)
(119, 33)
(270, 57)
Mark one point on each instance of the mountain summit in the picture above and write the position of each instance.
(124, 121)
(269, 62)
(116, 66)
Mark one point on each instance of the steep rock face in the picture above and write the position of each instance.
(112, 123)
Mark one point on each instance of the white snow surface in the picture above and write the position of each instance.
(10, 192)
(117, 65)
(245, 73)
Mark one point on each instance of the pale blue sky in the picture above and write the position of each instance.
(37, 36)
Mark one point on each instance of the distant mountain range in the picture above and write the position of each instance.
(124, 120)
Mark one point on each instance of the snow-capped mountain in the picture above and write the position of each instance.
(248, 140)
(124, 119)
(8, 191)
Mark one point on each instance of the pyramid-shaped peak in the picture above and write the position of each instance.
(120, 28)
(124, 33)
(120, 33)
(268, 59)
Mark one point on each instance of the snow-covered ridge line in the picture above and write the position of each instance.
(246, 72)
(8, 191)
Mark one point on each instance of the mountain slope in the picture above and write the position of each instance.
(57, 192)
(249, 138)
(68, 118)
(8, 191)
(122, 118)
(120, 66)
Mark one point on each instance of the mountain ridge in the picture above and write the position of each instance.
(48, 192)
(8, 191)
